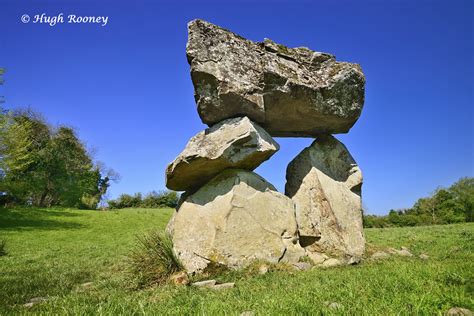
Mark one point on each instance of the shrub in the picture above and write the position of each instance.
(153, 260)
(3, 252)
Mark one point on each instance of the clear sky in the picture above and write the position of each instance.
(126, 86)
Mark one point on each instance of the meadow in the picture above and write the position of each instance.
(77, 261)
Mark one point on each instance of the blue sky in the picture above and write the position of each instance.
(126, 87)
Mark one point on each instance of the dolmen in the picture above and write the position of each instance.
(248, 92)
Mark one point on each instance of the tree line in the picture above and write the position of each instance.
(151, 200)
(445, 206)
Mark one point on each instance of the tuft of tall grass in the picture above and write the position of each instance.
(3, 251)
(153, 260)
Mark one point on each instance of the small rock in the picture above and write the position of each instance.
(380, 255)
(303, 266)
(38, 299)
(247, 313)
(180, 278)
(34, 301)
(404, 253)
(263, 269)
(223, 286)
(332, 262)
(207, 283)
(424, 257)
(87, 285)
(354, 260)
(317, 258)
(459, 311)
(333, 305)
(392, 251)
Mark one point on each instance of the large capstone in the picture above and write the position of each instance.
(325, 183)
(234, 219)
(289, 91)
(233, 143)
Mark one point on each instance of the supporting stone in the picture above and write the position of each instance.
(232, 143)
(325, 183)
(234, 219)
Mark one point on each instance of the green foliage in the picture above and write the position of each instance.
(45, 166)
(151, 200)
(153, 260)
(446, 206)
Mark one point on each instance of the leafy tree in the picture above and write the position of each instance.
(463, 191)
(42, 166)
(23, 138)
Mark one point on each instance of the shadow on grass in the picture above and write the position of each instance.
(36, 219)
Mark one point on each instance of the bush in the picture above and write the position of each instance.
(153, 260)
(3, 251)
(7, 200)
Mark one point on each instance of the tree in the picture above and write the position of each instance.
(463, 192)
(23, 138)
(42, 166)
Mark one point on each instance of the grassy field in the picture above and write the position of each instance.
(50, 253)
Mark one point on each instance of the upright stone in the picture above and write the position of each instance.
(235, 218)
(233, 143)
(288, 91)
(325, 183)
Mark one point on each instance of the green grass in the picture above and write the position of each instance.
(50, 253)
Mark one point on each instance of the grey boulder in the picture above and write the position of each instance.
(289, 91)
(325, 183)
(236, 218)
(233, 143)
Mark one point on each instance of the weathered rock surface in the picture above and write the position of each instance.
(325, 183)
(233, 143)
(303, 266)
(316, 257)
(206, 283)
(235, 218)
(289, 91)
(223, 286)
